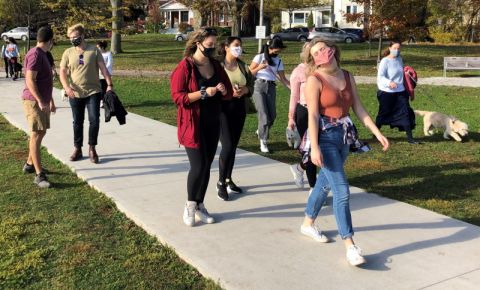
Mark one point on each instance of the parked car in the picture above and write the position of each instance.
(333, 34)
(179, 36)
(19, 33)
(295, 34)
(356, 31)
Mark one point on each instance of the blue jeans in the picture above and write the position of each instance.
(78, 105)
(332, 175)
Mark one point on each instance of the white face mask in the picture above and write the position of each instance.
(236, 51)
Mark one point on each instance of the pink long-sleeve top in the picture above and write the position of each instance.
(298, 79)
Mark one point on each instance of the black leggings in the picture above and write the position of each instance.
(201, 158)
(5, 61)
(301, 120)
(232, 119)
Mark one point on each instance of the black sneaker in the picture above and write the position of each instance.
(232, 187)
(28, 168)
(222, 191)
(41, 180)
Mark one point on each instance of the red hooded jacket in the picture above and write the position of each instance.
(410, 79)
(183, 82)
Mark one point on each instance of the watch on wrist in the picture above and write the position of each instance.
(203, 93)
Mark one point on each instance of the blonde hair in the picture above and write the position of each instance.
(198, 35)
(77, 27)
(311, 63)
(305, 51)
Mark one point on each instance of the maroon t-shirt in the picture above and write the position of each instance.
(37, 60)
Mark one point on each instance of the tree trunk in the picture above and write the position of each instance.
(234, 9)
(117, 20)
(379, 55)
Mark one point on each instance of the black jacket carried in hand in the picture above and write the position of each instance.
(113, 107)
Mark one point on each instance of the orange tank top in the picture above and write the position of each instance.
(335, 103)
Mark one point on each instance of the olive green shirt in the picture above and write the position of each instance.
(83, 78)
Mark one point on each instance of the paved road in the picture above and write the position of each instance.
(256, 243)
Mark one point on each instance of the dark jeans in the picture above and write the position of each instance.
(12, 65)
(301, 120)
(232, 119)
(394, 110)
(103, 84)
(201, 158)
(78, 105)
(5, 61)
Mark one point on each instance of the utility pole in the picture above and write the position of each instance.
(261, 24)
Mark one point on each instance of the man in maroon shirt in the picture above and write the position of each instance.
(38, 102)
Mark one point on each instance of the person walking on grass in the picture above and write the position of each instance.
(394, 107)
(267, 66)
(4, 56)
(198, 84)
(12, 54)
(38, 102)
(331, 93)
(79, 74)
(108, 59)
(298, 117)
(233, 113)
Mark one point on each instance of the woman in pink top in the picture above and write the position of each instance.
(298, 117)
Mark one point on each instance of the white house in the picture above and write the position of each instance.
(175, 13)
(323, 16)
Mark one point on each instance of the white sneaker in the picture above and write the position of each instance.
(263, 146)
(354, 256)
(314, 233)
(189, 213)
(297, 175)
(203, 215)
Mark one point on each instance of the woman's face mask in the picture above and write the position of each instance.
(394, 52)
(236, 51)
(208, 51)
(324, 56)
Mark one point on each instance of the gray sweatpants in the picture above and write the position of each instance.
(264, 96)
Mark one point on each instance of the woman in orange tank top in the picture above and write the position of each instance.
(331, 93)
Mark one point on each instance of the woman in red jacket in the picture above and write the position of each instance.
(198, 84)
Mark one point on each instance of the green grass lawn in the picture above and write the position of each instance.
(161, 53)
(73, 237)
(439, 175)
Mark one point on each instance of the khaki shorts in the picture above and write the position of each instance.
(37, 120)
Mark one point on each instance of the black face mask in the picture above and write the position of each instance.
(76, 41)
(273, 54)
(208, 51)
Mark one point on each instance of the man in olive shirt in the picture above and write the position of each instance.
(79, 74)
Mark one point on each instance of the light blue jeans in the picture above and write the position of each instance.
(332, 176)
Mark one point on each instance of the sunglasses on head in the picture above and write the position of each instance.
(80, 60)
(209, 32)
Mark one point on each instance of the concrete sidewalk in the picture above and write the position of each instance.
(256, 242)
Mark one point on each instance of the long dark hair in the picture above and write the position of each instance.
(386, 52)
(276, 42)
(229, 40)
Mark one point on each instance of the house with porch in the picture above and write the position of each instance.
(175, 13)
(324, 16)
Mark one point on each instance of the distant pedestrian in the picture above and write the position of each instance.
(331, 92)
(233, 113)
(108, 59)
(12, 54)
(198, 85)
(298, 117)
(4, 56)
(267, 67)
(38, 102)
(394, 107)
(79, 74)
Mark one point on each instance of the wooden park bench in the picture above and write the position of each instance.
(460, 63)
